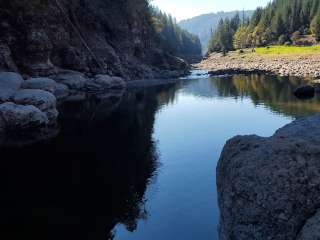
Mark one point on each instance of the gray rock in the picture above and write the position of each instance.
(61, 91)
(43, 100)
(268, 188)
(74, 80)
(6, 95)
(39, 98)
(311, 229)
(10, 81)
(45, 84)
(18, 117)
(105, 82)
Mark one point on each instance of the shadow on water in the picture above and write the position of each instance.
(91, 177)
(95, 173)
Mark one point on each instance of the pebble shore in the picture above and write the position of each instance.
(284, 65)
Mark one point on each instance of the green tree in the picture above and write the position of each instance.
(315, 27)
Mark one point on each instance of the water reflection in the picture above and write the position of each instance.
(91, 177)
(94, 175)
(273, 92)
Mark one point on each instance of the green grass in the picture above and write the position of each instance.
(287, 50)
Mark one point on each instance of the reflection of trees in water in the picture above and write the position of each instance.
(88, 179)
(274, 92)
(200, 87)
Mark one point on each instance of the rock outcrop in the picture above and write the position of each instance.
(269, 188)
(111, 37)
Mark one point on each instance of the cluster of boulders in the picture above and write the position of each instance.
(235, 63)
(269, 188)
(31, 104)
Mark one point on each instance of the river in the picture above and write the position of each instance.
(146, 169)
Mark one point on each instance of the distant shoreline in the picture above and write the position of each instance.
(292, 64)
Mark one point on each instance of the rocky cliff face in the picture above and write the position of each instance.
(269, 187)
(38, 37)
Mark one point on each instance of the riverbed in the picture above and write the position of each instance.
(147, 168)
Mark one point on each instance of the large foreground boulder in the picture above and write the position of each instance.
(269, 188)
(14, 117)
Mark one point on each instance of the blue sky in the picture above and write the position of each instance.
(182, 9)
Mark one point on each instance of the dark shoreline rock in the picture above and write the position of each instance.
(269, 188)
(305, 91)
(235, 71)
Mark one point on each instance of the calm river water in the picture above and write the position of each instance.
(146, 168)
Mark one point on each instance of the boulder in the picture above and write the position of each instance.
(19, 117)
(269, 188)
(305, 91)
(105, 82)
(74, 80)
(6, 95)
(45, 84)
(311, 229)
(61, 91)
(43, 100)
(39, 98)
(10, 81)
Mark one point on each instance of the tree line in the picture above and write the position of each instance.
(280, 22)
(171, 37)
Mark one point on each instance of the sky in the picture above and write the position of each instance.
(183, 9)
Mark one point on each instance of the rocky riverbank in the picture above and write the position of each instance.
(284, 65)
(29, 107)
(269, 188)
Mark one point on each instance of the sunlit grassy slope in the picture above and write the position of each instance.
(287, 50)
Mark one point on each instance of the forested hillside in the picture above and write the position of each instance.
(172, 38)
(281, 22)
(205, 24)
(222, 38)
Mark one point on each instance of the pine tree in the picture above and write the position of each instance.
(315, 27)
